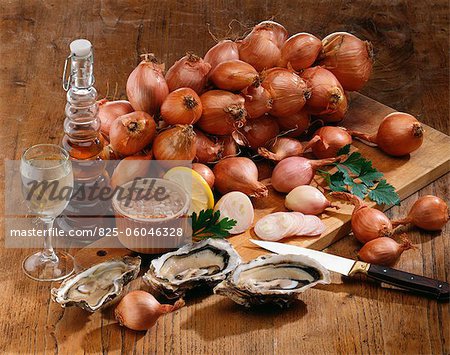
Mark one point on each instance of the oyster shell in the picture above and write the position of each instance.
(273, 279)
(93, 288)
(203, 263)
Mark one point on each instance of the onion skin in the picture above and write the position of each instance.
(383, 251)
(296, 171)
(273, 31)
(258, 132)
(131, 133)
(109, 111)
(229, 146)
(294, 125)
(223, 51)
(130, 168)
(238, 174)
(288, 91)
(205, 172)
(307, 199)
(206, 150)
(257, 101)
(300, 51)
(176, 143)
(367, 223)
(182, 106)
(326, 91)
(259, 51)
(399, 134)
(190, 71)
(348, 58)
(223, 112)
(281, 148)
(146, 86)
(428, 212)
(328, 140)
(234, 75)
(139, 310)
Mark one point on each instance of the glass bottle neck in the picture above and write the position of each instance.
(82, 71)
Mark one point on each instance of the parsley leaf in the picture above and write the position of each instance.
(384, 193)
(207, 224)
(344, 150)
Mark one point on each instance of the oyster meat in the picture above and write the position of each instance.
(273, 279)
(204, 263)
(93, 288)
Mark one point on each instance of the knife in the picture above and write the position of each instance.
(425, 286)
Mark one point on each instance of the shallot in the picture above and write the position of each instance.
(229, 147)
(130, 168)
(300, 51)
(294, 125)
(307, 199)
(176, 143)
(205, 172)
(207, 150)
(236, 205)
(182, 106)
(339, 114)
(109, 111)
(223, 51)
(257, 101)
(383, 251)
(234, 75)
(280, 148)
(258, 132)
(328, 140)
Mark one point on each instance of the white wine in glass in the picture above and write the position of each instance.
(47, 184)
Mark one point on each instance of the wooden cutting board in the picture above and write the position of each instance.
(406, 174)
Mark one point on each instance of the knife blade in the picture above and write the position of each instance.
(415, 283)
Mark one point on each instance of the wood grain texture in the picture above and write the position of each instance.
(411, 74)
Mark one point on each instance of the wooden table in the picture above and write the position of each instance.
(411, 74)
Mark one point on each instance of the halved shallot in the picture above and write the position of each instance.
(236, 205)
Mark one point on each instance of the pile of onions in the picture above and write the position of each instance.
(280, 148)
(288, 91)
(146, 86)
(300, 51)
(348, 58)
(294, 125)
(307, 199)
(428, 212)
(205, 172)
(258, 101)
(238, 174)
(258, 132)
(367, 223)
(182, 106)
(109, 111)
(296, 171)
(383, 251)
(229, 146)
(206, 150)
(223, 112)
(398, 134)
(328, 140)
(176, 143)
(234, 75)
(326, 92)
(223, 51)
(190, 71)
(130, 133)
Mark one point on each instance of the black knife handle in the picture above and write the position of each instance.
(415, 283)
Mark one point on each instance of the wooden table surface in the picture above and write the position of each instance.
(411, 73)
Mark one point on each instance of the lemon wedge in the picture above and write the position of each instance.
(201, 195)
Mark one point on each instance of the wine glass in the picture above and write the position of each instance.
(47, 185)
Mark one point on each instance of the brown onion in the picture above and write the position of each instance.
(176, 143)
(280, 148)
(229, 146)
(190, 71)
(339, 114)
(300, 51)
(223, 112)
(182, 106)
(207, 150)
(234, 75)
(109, 111)
(328, 140)
(273, 31)
(257, 101)
(146, 86)
(258, 132)
(383, 251)
(294, 125)
(205, 172)
(223, 51)
(296, 171)
(348, 58)
(288, 91)
(367, 223)
(139, 310)
(398, 134)
(132, 132)
(428, 212)
(259, 51)
(238, 174)
(130, 168)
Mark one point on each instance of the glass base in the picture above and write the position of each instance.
(38, 267)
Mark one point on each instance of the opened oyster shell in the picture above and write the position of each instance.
(93, 288)
(203, 263)
(273, 279)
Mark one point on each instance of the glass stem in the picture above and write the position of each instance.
(48, 254)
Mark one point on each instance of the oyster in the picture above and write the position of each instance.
(272, 279)
(93, 288)
(203, 263)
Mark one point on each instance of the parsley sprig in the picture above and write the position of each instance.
(357, 176)
(207, 224)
